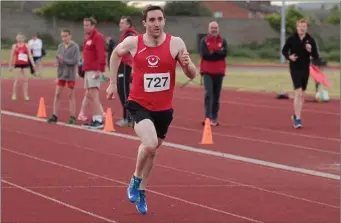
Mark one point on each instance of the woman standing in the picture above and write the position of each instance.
(20, 59)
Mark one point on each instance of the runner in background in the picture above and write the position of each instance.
(20, 59)
(38, 52)
(298, 49)
(124, 70)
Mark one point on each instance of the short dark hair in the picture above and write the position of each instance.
(92, 20)
(66, 31)
(149, 8)
(128, 19)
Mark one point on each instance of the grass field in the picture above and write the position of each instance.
(51, 57)
(245, 80)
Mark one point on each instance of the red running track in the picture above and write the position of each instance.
(90, 171)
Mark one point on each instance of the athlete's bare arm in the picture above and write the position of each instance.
(179, 51)
(30, 57)
(128, 45)
(11, 56)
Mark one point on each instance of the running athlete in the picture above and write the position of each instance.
(155, 55)
(20, 58)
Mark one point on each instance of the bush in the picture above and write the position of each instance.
(76, 10)
(239, 51)
(334, 56)
(292, 15)
(268, 53)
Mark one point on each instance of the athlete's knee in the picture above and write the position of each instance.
(150, 144)
(299, 92)
(71, 94)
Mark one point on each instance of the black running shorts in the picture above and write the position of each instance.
(300, 78)
(161, 119)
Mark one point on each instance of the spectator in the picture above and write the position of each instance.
(213, 51)
(93, 67)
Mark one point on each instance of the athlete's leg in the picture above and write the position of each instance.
(15, 85)
(208, 84)
(72, 98)
(217, 85)
(25, 84)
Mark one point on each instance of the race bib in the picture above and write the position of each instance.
(23, 57)
(156, 82)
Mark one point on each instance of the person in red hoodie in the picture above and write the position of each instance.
(213, 51)
(94, 56)
(124, 70)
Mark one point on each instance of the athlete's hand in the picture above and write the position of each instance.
(184, 58)
(308, 47)
(293, 57)
(111, 91)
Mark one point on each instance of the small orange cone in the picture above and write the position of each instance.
(42, 109)
(207, 134)
(108, 127)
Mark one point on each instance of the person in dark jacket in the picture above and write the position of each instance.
(213, 51)
(111, 46)
(298, 49)
(124, 70)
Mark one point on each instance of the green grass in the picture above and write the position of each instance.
(51, 57)
(250, 80)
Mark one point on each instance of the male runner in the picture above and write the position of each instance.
(155, 54)
(298, 49)
(124, 70)
(68, 55)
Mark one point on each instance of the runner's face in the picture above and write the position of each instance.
(302, 28)
(20, 38)
(87, 26)
(155, 22)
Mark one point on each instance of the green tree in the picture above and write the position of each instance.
(185, 8)
(334, 17)
(292, 15)
(77, 10)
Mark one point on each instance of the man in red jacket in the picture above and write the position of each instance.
(124, 70)
(213, 51)
(93, 66)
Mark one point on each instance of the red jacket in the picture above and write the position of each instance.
(94, 52)
(127, 59)
(213, 51)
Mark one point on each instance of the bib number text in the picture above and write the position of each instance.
(156, 82)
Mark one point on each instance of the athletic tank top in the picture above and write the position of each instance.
(21, 55)
(153, 75)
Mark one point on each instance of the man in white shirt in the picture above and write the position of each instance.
(37, 52)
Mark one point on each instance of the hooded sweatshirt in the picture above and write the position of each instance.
(67, 68)
(127, 59)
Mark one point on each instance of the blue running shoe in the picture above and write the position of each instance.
(141, 203)
(297, 122)
(133, 189)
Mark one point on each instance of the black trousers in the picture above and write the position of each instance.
(123, 86)
(213, 85)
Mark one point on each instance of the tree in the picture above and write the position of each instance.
(186, 9)
(77, 10)
(334, 17)
(292, 15)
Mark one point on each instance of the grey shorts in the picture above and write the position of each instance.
(90, 81)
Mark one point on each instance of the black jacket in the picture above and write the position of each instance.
(294, 45)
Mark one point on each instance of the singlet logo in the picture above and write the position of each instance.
(153, 61)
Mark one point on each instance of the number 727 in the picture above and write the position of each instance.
(157, 81)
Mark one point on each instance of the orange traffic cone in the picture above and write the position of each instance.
(207, 134)
(108, 127)
(42, 109)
